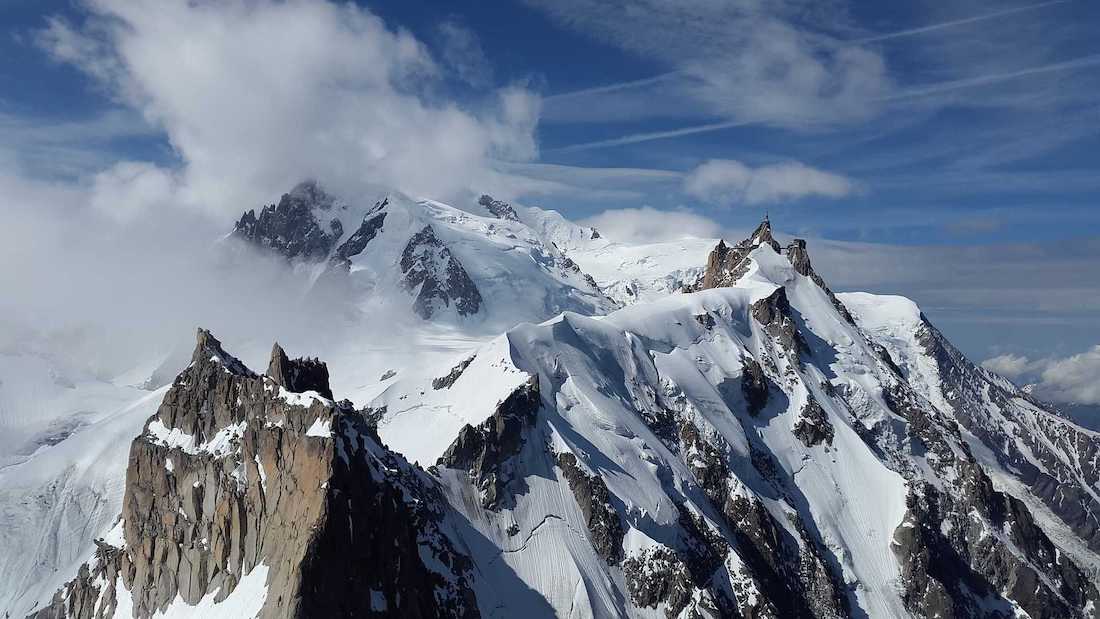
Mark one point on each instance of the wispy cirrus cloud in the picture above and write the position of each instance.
(786, 67)
(780, 64)
(908, 32)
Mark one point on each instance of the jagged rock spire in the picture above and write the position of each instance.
(291, 227)
(727, 264)
(298, 375)
(799, 257)
(208, 349)
(762, 235)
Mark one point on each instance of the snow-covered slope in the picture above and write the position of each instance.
(741, 450)
(1028, 449)
(56, 501)
(759, 448)
(627, 272)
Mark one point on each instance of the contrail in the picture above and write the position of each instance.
(957, 22)
(934, 89)
(645, 81)
(653, 135)
(614, 87)
(931, 89)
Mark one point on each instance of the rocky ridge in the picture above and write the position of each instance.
(240, 473)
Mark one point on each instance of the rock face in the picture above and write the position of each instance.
(813, 427)
(298, 375)
(238, 472)
(437, 277)
(291, 227)
(499, 209)
(726, 264)
(604, 528)
(754, 386)
(774, 314)
(484, 452)
(357, 242)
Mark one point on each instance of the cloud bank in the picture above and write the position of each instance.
(727, 181)
(118, 266)
(1073, 379)
(254, 96)
(650, 225)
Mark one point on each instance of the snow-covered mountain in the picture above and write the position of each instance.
(490, 271)
(760, 447)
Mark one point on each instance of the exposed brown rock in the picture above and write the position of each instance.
(230, 475)
(773, 312)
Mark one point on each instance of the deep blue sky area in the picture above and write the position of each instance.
(904, 124)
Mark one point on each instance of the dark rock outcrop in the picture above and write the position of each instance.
(485, 451)
(773, 312)
(813, 427)
(290, 227)
(437, 276)
(754, 386)
(499, 208)
(445, 382)
(358, 241)
(298, 375)
(605, 530)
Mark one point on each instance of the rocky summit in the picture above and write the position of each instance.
(755, 446)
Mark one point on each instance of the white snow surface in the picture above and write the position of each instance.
(519, 273)
(244, 602)
(55, 503)
(598, 376)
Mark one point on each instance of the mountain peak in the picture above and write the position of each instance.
(762, 235)
(291, 227)
(208, 349)
(311, 193)
(726, 264)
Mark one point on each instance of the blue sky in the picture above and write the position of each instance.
(943, 127)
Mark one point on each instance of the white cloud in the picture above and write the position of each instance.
(1074, 379)
(728, 181)
(1008, 365)
(257, 95)
(649, 225)
(129, 188)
